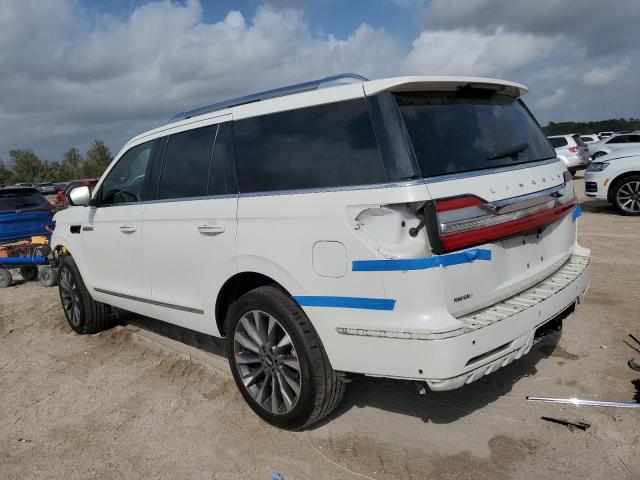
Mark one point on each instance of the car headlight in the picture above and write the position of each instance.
(597, 166)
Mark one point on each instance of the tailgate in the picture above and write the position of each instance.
(518, 260)
(17, 226)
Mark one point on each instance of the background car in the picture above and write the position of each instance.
(573, 152)
(24, 213)
(616, 178)
(46, 188)
(613, 143)
(588, 139)
(605, 134)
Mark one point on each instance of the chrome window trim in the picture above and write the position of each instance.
(489, 171)
(344, 188)
(151, 302)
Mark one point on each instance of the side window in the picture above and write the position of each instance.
(315, 147)
(185, 167)
(125, 182)
(634, 138)
(618, 139)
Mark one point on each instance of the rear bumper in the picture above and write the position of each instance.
(489, 339)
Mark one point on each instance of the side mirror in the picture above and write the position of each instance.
(80, 196)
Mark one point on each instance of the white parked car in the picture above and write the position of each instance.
(605, 134)
(588, 139)
(616, 178)
(614, 143)
(416, 228)
(573, 152)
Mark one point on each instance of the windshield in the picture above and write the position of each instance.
(12, 201)
(470, 129)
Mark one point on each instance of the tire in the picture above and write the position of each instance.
(5, 278)
(303, 361)
(626, 195)
(83, 313)
(29, 273)
(597, 155)
(48, 277)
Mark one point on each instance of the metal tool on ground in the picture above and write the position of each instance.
(634, 364)
(580, 402)
(568, 423)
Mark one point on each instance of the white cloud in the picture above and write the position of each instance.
(599, 76)
(554, 100)
(469, 52)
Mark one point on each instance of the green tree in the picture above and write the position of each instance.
(72, 165)
(25, 164)
(6, 177)
(97, 160)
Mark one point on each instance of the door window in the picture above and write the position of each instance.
(125, 182)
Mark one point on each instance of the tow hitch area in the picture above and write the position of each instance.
(554, 325)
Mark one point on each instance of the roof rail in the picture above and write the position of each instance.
(331, 81)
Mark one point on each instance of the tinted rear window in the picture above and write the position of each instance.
(458, 131)
(559, 142)
(316, 147)
(185, 168)
(12, 201)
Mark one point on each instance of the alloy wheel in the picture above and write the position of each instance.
(628, 196)
(267, 362)
(70, 296)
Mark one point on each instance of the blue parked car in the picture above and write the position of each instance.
(24, 213)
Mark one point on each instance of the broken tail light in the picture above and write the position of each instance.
(468, 220)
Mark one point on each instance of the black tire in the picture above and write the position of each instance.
(627, 188)
(5, 278)
(29, 273)
(83, 313)
(597, 155)
(48, 277)
(321, 388)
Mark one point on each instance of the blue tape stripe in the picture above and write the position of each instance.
(346, 302)
(421, 263)
(577, 212)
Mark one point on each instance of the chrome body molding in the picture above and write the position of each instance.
(151, 302)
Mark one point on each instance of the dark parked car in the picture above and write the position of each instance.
(46, 188)
(24, 213)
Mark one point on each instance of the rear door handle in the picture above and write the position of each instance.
(210, 229)
(127, 228)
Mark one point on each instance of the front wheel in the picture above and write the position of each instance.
(597, 155)
(626, 195)
(278, 361)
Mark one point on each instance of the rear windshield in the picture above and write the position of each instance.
(558, 142)
(470, 129)
(12, 201)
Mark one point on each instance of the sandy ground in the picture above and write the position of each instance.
(147, 400)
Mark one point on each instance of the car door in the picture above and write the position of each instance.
(112, 235)
(190, 227)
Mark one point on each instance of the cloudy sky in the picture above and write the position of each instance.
(72, 71)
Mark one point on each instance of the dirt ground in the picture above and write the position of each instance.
(148, 400)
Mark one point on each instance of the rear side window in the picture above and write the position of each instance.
(470, 129)
(619, 139)
(185, 167)
(634, 138)
(12, 201)
(323, 146)
(559, 142)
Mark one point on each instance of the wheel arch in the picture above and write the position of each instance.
(616, 180)
(234, 288)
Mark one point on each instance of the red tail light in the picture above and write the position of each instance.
(573, 149)
(467, 220)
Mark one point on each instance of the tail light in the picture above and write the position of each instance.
(467, 220)
(573, 149)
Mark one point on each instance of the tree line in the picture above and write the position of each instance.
(24, 166)
(611, 125)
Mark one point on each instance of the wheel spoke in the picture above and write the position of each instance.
(290, 381)
(285, 341)
(252, 377)
(286, 397)
(247, 359)
(290, 361)
(246, 342)
(271, 331)
(274, 399)
(261, 395)
(261, 327)
(250, 328)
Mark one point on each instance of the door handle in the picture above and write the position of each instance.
(127, 228)
(210, 229)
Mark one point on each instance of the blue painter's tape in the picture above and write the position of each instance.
(392, 265)
(346, 302)
(23, 260)
(577, 212)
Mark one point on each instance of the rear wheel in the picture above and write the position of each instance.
(626, 195)
(83, 313)
(278, 362)
(5, 278)
(29, 273)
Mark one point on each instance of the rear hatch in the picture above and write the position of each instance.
(496, 187)
(23, 213)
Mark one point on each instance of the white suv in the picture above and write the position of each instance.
(572, 150)
(614, 143)
(417, 228)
